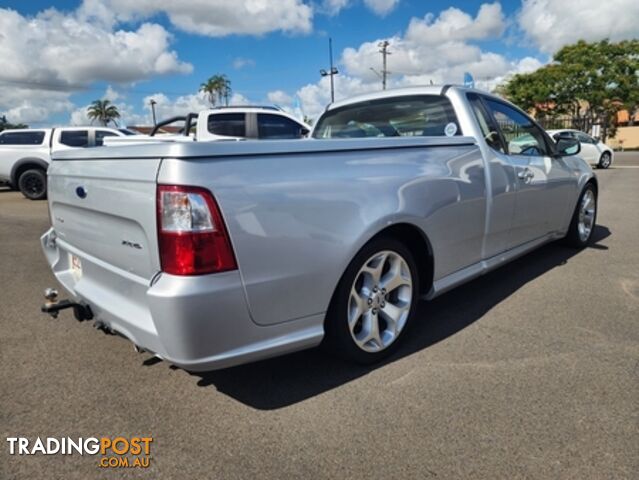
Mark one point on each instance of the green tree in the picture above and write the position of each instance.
(217, 89)
(590, 82)
(6, 125)
(103, 111)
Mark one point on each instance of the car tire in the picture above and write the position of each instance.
(33, 184)
(374, 303)
(584, 218)
(605, 160)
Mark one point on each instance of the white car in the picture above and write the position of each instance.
(25, 154)
(243, 122)
(593, 150)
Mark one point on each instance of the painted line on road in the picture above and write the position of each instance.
(624, 166)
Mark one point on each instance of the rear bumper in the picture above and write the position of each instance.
(198, 323)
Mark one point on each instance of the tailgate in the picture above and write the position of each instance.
(105, 209)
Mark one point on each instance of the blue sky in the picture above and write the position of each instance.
(57, 61)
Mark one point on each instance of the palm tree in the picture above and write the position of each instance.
(103, 111)
(217, 88)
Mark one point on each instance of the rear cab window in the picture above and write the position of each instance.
(74, 138)
(227, 124)
(35, 137)
(276, 127)
(407, 116)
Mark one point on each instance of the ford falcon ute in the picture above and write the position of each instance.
(212, 254)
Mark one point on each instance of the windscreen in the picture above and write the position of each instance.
(408, 116)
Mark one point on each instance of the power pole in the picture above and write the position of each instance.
(333, 71)
(384, 51)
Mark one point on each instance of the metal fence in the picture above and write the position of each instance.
(582, 124)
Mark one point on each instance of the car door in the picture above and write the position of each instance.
(502, 181)
(544, 183)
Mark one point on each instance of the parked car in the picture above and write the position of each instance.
(593, 150)
(226, 123)
(25, 154)
(211, 254)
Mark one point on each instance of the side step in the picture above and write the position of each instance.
(53, 306)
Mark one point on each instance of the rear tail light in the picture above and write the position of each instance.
(191, 234)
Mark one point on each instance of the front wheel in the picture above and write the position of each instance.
(605, 161)
(583, 220)
(374, 303)
(33, 184)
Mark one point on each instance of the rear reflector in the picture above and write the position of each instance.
(191, 233)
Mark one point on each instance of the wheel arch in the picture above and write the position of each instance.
(416, 240)
(25, 164)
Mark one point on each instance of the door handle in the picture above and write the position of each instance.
(526, 175)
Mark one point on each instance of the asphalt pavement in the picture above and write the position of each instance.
(531, 371)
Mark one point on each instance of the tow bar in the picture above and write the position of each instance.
(53, 306)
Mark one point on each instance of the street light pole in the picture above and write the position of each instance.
(153, 102)
(333, 71)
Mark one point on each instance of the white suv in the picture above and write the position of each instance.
(225, 123)
(25, 153)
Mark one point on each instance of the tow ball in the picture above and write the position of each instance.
(53, 306)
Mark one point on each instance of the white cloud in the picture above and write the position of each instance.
(279, 97)
(64, 50)
(551, 24)
(238, 99)
(435, 49)
(215, 18)
(23, 105)
(128, 115)
(455, 25)
(48, 56)
(315, 96)
(381, 7)
(241, 62)
(182, 105)
(333, 7)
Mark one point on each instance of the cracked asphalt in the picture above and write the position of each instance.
(531, 371)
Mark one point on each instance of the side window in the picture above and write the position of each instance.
(522, 136)
(22, 138)
(100, 134)
(583, 138)
(227, 124)
(485, 123)
(277, 127)
(75, 138)
(408, 116)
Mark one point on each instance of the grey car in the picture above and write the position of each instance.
(213, 254)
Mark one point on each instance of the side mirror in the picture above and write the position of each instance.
(568, 146)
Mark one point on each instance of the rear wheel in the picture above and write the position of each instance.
(374, 303)
(605, 161)
(583, 221)
(33, 183)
